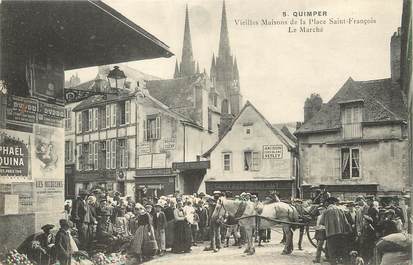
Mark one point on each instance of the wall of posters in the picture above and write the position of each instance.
(48, 152)
(21, 109)
(15, 153)
(48, 190)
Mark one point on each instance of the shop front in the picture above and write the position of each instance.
(153, 183)
(192, 174)
(344, 192)
(262, 188)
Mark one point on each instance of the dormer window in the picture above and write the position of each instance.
(351, 118)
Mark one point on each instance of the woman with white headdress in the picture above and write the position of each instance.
(143, 238)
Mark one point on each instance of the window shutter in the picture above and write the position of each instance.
(126, 151)
(145, 130)
(107, 114)
(79, 122)
(96, 153)
(107, 154)
(118, 156)
(113, 156)
(337, 164)
(158, 127)
(127, 111)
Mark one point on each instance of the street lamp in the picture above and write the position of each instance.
(116, 78)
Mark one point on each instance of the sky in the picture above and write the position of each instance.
(278, 70)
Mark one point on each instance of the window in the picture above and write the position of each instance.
(350, 163)
(113, 115)
(215, 100)
(351, 118)
(90, 156)
(107, 112)
(251, 161)
(113, 154)
(153, 128)
(107, 145)
(227, 161)
(68, 151)
(90, 128)
(248, 130)
(123, 153)
(96, 156)
(102, 118)
(79, 162)
(68, 119)
(127, 111)
(79, 122)
(95, 119)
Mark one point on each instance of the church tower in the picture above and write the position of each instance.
(224, 69)
(187, 65)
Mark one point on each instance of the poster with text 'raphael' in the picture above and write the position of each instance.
(15, 155)
(48, 152)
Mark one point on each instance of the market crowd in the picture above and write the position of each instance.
(349, 231)
(110, 223)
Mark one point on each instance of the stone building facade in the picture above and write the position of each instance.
(357, 143)
(252, 156)
(34, 56)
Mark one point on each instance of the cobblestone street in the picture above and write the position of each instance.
(270, 253)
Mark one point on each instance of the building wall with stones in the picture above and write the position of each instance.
(383, 159)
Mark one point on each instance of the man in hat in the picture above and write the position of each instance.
(214, 225)
(65, 245)
(159, 225)
(320, 235)
(46, 240)
(202, 213)
(337, 229)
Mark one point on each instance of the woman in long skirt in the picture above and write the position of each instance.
(182, 231)
(143, 236)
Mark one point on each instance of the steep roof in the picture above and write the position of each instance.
(175, 93)
(286, 140)
(382, 102)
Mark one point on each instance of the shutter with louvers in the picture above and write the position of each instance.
(145, 130)
(158, 127)
(118, 154)
(107, 114)
(113, 155)
(107, 154)
(337, 164)
(126, 154)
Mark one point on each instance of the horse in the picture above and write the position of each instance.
(246, 211)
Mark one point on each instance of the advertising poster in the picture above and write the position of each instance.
(48, 152)
(15, 153)
(47, 191)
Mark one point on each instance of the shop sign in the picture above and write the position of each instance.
(14, 153)
(50, 114)
(144, 148)
(21, 109)
(153, 172)
(169, 144)
(272, 151)
(145, 161)
(159, 160)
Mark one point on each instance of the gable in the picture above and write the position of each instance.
(249, 115)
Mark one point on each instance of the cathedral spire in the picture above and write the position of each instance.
(212, 70)
(235, 69)
(197, 67)
(176, 73)
(187, 63)
(224, 49)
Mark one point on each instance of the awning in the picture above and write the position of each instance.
(86, 33)
(191, 165)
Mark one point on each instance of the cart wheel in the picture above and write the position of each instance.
(311, 235)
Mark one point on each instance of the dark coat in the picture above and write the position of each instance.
(203, 217)
(159, 222)
(335, 221)
(62, 246)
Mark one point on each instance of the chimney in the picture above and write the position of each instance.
(395, 48)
